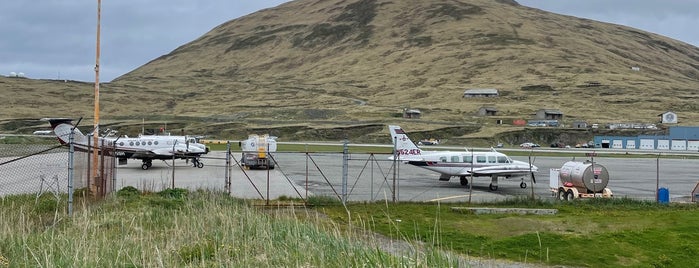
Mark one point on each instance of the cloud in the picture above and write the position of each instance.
(674, 19)
(45, 38)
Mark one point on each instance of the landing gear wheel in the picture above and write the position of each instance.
(145, 166)
(200, 164)
(523, 185)
(464, 181)
(493, 187)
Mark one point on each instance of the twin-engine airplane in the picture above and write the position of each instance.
(146, 148)
(461, 164)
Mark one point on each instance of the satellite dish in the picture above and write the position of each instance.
(13, 74)
(20, 74)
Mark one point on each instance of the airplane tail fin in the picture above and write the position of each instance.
(405, 147)
(62, 127)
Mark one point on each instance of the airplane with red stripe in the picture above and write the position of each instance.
(462, 164)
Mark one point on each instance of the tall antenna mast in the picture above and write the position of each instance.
(95, 133)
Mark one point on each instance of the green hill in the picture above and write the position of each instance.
(338, 68)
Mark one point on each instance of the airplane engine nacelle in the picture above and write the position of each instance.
(587, 175)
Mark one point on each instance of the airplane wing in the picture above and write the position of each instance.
(488, 171)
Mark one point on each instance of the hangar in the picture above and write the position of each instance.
(679, 138)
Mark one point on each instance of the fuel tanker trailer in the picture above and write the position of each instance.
(582, 180)
(257, 150)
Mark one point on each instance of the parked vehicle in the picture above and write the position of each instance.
(529, 145)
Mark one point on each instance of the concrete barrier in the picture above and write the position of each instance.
(521, 211)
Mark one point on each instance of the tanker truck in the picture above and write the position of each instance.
(580, 180)
(256, 151)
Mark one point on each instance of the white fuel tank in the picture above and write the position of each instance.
(585, 175)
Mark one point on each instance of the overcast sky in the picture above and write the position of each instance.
(55, 39)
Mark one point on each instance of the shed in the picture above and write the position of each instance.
(481, 92)
(579, 124)
(487, 111)
(411, 113)
(549, 114)
(668, 118)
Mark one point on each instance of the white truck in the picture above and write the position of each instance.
(257, 151)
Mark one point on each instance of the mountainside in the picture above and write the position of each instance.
(312, 64)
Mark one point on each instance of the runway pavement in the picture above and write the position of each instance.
(372, 178)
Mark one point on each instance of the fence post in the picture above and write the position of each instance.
(228, 168)
(71, 171)
(345, 168)
(173, 164)
(395, 166)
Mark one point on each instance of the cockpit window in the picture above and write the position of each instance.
(503, 159)
(442, 159)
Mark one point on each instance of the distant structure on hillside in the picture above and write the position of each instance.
(579, 124)
(481, 93)
(487, 111)
(668, 118)
(549, 114)
(411, 113)
(14, 74)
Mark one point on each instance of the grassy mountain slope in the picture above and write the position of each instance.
(311, 64)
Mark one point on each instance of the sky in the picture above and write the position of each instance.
(56, 39)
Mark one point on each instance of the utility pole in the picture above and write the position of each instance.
(96, 131)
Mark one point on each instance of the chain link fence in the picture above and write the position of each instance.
(39, 169)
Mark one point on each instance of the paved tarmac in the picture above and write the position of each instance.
(371, 178)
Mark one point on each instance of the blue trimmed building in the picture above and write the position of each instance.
(680, 138)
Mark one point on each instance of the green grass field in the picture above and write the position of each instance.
(178, 228)
(590, 233)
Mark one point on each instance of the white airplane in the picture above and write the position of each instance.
(146, 147)
(461, 164)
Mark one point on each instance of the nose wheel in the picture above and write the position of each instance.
(196, 163)
(523, 185)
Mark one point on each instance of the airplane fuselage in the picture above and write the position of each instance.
(473, 163)
(145, 147)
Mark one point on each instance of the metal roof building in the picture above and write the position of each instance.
(679, 139)
(481, 92)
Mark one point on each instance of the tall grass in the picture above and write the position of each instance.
(177, 228)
